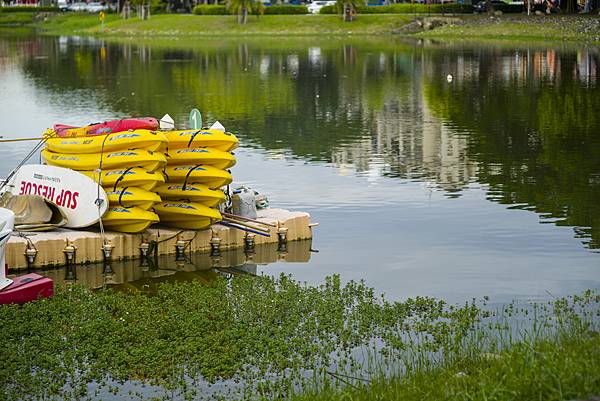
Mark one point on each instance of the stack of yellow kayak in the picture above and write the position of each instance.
(127, 164)
(197, 163)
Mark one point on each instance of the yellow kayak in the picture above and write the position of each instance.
(212, 157)
(127, 177)
(210, 176)
(128, 220)
(204, 138)
(132, 196)
(190, 192)
(122, 159)
(138, 139)
(192, 215)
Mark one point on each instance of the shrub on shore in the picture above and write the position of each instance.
(204, 9)
(286, 9)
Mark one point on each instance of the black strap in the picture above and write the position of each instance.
(121, 198)
(122, 176)
(188, 175)
(193, 136)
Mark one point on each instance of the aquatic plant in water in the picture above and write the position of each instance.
(257, 337)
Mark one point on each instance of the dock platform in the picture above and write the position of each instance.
(50, 247)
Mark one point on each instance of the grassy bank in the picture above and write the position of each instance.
(260, 337)
(17, 19)
(520, 28)
(73, 23)
(570, 28)
(225, 25)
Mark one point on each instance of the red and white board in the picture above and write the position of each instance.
(74, 193)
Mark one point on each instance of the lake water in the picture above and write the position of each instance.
(453, 171)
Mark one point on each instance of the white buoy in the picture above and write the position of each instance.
(449, 78)
(218, 126)
(167, 123)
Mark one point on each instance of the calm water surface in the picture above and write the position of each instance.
(484, 184)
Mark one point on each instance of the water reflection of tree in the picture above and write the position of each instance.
(527, 118)
(534, 123)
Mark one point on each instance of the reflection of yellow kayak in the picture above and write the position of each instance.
(210, 176)
(204, 138)
(191, 192)
(139, 139)
(192, 215)
(132, 196)
(127, 177)
(128, 158)
(212, 157)
(128, 220)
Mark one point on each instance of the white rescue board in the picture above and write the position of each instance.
(74, 193)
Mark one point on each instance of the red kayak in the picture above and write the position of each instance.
(107, 127)
(25, 288)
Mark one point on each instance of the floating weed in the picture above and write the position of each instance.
(277, 338)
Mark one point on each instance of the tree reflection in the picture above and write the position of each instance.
(533, 124)
(523, 121)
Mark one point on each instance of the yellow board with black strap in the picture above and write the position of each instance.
(120, 159)
(208, 156)
(187, 215)
(203, 138)
(138, 139)
(132, 196)
(127, 177)
(129, 220)
(210, 176)
(191, 192)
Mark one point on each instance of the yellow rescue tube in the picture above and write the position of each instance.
(210, 176)
(138, 139)
(127, 177)
(190, 192)
(188, 215)
(121, 159)
(212, 157)
(204, 138)
(132, 196)
(128, 220)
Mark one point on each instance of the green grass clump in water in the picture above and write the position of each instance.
(557, 369)
(274, 335)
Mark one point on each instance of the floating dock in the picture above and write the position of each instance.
(63, 247)
(137, 275)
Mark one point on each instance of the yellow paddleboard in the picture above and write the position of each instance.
(204, 138)
(138, 139)
(212, 157)
(121, 159)
(190, 192)
(192, 215)
(128, 220)
(127, 177)
(132, 196)
(210, 176)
